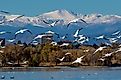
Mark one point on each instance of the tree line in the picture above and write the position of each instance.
(50, 55)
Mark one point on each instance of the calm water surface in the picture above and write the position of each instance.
(63, 73)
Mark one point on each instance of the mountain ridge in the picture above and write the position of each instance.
(63, 15)
(93, 25)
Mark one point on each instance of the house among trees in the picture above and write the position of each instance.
(47, 38)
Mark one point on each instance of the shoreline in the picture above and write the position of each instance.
(36, 69)
(55, 67)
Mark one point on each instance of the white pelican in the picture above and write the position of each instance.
(51, 24)
(78, 60)
(76, 21)
(99, 49)
(22, 31)
(77, 32)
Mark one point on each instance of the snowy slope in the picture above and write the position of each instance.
(62, 15)
(97, 25)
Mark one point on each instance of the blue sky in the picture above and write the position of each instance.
(36, 7)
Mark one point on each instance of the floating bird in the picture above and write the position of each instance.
(22, 31)
(76, 21)
(2, 77)
(11, 77)
(51, 24)
(99, 49)
(78, 60)
(52, 77)
(77, 32)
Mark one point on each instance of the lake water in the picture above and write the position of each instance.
(63, 73)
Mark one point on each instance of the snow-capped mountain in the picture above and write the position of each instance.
(66, 23)
(59, 14)
(63, 15)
